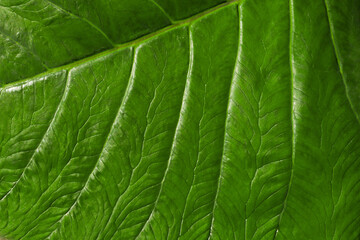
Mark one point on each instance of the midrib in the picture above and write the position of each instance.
(134, 42)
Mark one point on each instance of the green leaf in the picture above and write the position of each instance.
(179, 119)
(36, 35)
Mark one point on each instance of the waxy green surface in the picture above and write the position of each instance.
(154, 119)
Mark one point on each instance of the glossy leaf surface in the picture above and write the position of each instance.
(202, 120)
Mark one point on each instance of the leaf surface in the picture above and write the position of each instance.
(202, 120)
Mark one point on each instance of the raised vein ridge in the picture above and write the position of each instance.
(236, 65)
(291, 60)
(65, 91)
(128, 88)
(128, 44)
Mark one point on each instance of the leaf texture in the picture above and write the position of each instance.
(236, 120)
